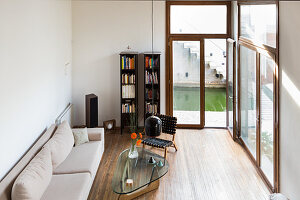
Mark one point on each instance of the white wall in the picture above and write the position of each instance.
(289, 98)
(101, 30)
(35, 85)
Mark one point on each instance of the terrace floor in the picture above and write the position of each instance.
(212, 118)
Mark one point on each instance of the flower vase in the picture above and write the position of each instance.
(133, 153)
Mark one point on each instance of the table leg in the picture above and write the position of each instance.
(154, 185)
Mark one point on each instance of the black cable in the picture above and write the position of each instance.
(152, 57)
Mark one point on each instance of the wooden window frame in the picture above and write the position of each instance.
(273, 53)
(234, 130)
(190, 37)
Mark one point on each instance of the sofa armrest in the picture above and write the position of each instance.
(96, 134)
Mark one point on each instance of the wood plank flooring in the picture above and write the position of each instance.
(208, 165)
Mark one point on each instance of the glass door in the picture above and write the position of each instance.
(258, 87)
(231, 101)
(192, 29)
(215, 82)
(257, 74)
(267, 71)
(186, 78)
(248, 78)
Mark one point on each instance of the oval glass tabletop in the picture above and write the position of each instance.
(139, 170)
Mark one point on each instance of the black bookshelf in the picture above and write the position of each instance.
(151, 83)
(129, 89)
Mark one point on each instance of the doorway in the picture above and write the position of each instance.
(196, 63)
(215, 82)
(187, 89)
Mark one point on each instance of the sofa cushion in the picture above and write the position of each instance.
(35, 178)
(80, 136)
(61, 143)
(68, 187)
(83, 158)
(96, 134)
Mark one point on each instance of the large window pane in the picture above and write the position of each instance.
(258, 22)
(215, 82)
(248, 98)
(198, 19)
(266, 109)
(186, 81)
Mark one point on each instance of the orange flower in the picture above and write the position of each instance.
(141, 136)
(138, 142)
(133, 136)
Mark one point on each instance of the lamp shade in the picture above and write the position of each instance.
(153, 126)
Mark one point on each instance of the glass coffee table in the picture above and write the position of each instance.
(134, 177)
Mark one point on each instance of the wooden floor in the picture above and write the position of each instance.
(209, 165)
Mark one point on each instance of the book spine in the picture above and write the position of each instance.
(152, 63)
(128, 108)
(147, 62)
(132, 63)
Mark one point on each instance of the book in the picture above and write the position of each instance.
(151, 108)
(151, 94)
(151, 78)
(128, 78)
(127, 63)
(147, 62)
(151, 62)
(128, 91)
(128, 108)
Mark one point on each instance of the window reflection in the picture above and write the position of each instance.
(258, 22)
(266, 109)
(191, 19)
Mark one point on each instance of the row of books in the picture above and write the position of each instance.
(128, 91)
(151, 108)
(127, 62)
(128, 79)
(128, 108)
(149, 94)
(151, 77)
(151, 62)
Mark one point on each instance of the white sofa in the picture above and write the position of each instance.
(74, 177)
(71, 170)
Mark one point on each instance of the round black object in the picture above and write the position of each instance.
(153, 126)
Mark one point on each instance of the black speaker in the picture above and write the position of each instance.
(91, 110)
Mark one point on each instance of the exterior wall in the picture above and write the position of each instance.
(186, 65)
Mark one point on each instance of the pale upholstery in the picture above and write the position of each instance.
(62, 186)
(35, 178)
(68, 187)
(61, 143)
(96, 134)
(80, 136)
(83, 158)
(7, 183)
